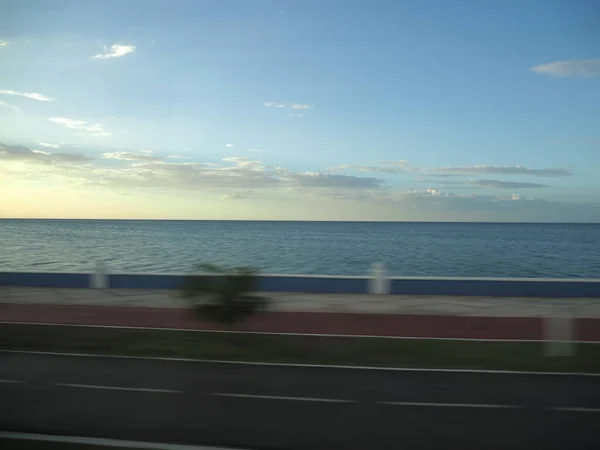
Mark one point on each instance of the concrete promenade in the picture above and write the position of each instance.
(346, 314)
(333, 303)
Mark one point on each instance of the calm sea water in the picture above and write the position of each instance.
(347, 248)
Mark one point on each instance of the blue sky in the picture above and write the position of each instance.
(317, 110)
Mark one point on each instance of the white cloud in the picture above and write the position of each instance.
(439, 175)
(327, 180)
(31, 95)
(290, 106)
(443, 181)
(48, 145)
(398, 163)
(430, 192)
(376, 169)
(4, 43)
(241, 177)
(294, 107)
(229, 145)
(243, 162)
(505, 170)
(90, 129)
(577, 68)
(499, 184)
(240, 174)
(116, 51)
(475, 183)
(17, 153)
(238, 195)
(237, 159)
(273, 105)
(143, 156)
(14, 108)
(243, 174)
(384, 167)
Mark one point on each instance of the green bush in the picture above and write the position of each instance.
(224, 295)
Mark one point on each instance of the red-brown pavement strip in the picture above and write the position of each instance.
(436, 326)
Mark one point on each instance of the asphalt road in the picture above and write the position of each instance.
(278, 407)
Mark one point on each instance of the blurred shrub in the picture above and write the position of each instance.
(224, 295)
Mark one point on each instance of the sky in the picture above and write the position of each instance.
(470, 110)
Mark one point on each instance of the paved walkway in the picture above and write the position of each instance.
(341, 303)
(380, 315)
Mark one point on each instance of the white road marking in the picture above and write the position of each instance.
(449, 405)
(575, 409)
(310, 366)
(115, 388)
(275, 333)
(102, 442)
(301, 399)
(278, 397)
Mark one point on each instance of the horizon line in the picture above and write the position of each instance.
(302, 220)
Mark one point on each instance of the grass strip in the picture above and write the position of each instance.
(298, 349)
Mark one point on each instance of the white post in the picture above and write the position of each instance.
(379, 282)
(559, 331)
(99, 279)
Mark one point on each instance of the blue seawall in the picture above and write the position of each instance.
(488, 287)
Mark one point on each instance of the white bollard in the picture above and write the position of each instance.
(559, 331)
(99, 279)
(379, 282)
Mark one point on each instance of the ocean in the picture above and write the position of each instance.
(332, 248)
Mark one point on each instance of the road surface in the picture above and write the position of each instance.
(283, 407)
